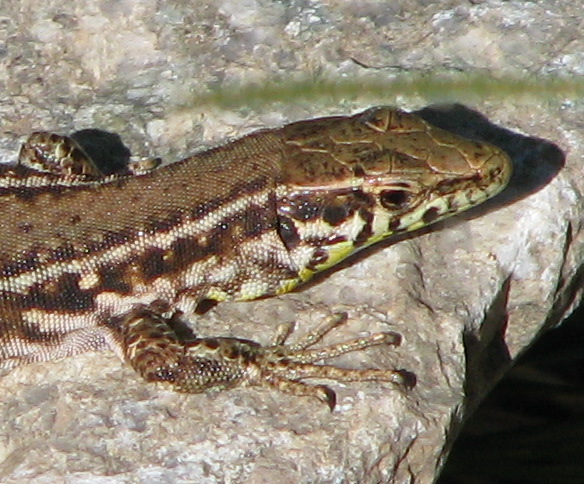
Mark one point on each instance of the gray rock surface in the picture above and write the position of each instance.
(468, 298)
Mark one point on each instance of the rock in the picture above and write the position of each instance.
(468, 296)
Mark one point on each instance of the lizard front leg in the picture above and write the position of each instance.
(154, 350)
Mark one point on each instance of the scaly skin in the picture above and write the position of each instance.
(91, 259)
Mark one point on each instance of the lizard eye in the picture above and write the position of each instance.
(392, 199)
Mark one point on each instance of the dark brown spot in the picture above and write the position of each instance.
(155, 262)
(288, 232)
(303, 208)
(367, 230)
(205, 306)
(152, 263)
(186, 251)
(114, 279)
(319, 257)
(394, 224)
(62, 294)
(256, 221)
(231, 352)
(336, 213)
(334, 239)
(431, 215)
(211, 343)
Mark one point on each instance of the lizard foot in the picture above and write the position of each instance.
(200, 364)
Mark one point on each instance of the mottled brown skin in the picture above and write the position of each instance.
(89, 260)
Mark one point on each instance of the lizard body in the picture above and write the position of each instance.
(91, 259)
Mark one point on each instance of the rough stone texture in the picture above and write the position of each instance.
(467, 299)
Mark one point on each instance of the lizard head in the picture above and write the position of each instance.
(355, 181)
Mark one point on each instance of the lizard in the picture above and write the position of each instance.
(92, 259)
